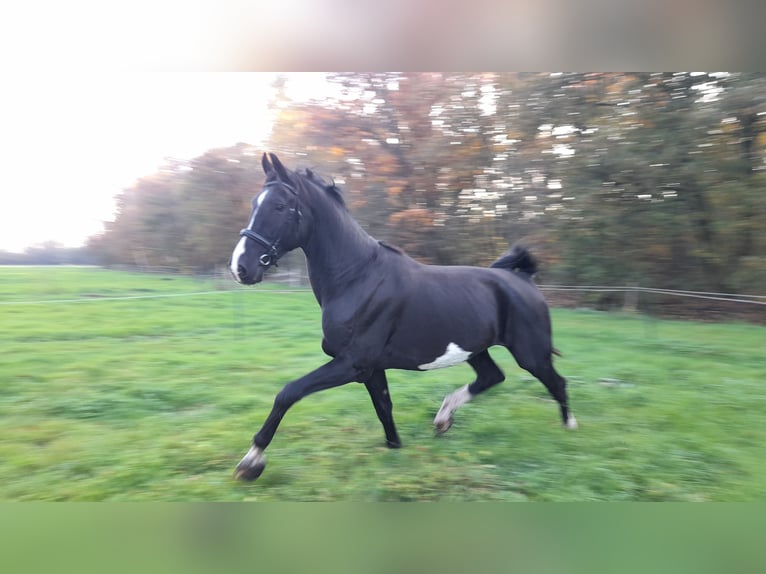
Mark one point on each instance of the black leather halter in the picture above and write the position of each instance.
(272, 254)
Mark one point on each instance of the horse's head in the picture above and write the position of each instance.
(274, 226)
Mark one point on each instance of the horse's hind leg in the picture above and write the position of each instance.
(488, 374)
(555, 383)
(377, 386)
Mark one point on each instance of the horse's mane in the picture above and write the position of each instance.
(330, 188)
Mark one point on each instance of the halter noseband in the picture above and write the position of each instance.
(272, 255)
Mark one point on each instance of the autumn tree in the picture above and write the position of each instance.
(414, 151)
(654, 179)
(214, 200)
(662, 183)
(186, 216)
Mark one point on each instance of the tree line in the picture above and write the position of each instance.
(651, 179)
(49, 253)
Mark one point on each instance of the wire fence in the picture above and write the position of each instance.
(729, 297)
(92, 299)
(713, 296)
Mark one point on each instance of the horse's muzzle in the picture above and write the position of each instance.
(246, 277)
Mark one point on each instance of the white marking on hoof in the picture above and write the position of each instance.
(252, 464)
(454, 355)
(443, 419)
(571, 423)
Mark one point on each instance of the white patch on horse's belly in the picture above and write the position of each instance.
(454, 355)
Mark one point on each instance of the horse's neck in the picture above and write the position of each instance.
(337, 253)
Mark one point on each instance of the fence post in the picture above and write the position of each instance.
(630, 303)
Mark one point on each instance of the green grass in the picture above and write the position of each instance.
(158, 398)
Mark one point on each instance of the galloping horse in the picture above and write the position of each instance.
(383, 310)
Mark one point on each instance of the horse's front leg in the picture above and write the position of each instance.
(333, 374)
(377, 386)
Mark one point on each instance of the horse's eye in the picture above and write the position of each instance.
(280, 207)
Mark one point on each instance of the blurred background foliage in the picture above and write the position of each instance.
(651, 179)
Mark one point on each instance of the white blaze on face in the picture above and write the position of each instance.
(454, 355)
(239, 250)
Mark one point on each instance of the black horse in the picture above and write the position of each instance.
(383, 310)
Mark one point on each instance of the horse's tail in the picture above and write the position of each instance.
(517, 259)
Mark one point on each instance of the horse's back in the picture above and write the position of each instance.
(481, 286)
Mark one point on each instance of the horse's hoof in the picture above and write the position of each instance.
(442, 426)
(251, 466)
(249, 473)
(571, 423)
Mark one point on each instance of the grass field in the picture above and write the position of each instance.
(157, 397)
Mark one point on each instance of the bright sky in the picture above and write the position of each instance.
(69, 143)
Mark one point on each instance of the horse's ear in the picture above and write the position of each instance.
(267, 167)
(281, 170)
